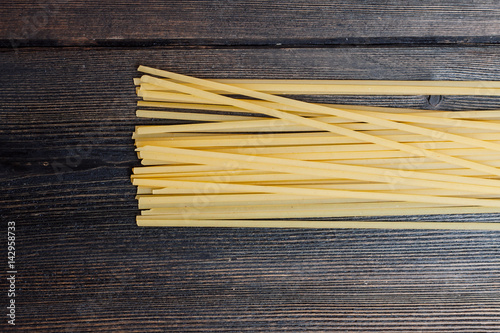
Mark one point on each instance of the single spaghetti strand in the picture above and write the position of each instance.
(160, 222)
(350, 88)
(433, 83)
(196, 214)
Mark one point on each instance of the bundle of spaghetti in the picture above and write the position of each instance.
(264, 160)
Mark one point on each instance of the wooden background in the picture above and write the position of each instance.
(66, 117)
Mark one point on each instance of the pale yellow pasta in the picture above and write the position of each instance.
(272, 161)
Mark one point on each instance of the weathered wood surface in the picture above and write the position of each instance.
(66, 120)
(250, 22)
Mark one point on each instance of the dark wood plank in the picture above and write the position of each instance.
(250, 22)
(66, 154)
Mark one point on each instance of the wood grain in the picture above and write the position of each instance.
(248, 22)
(66, 117)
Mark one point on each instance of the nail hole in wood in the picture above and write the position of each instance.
(434, 100)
